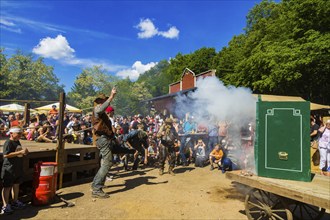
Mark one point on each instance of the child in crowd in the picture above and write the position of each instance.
(216, 156)
(12, 170)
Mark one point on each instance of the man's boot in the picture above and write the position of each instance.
(170, 171)
(161, 172)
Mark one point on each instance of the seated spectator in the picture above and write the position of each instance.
(231, 159)
(33, 127)
(45, 133)
(12, 122)
(216, 156)
(153, 153)
(200, 149)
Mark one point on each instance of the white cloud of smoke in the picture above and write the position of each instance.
(221, 103)
(213, 102)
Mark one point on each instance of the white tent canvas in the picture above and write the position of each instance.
(69, 108)
(12, 108)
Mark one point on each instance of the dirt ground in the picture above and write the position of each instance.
(193, 193)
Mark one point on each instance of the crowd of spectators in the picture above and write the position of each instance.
(198, 144)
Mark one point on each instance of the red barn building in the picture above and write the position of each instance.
(188, 83)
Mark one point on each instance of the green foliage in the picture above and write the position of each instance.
(156, 79)
(284, 51)
(88, 84)
(23, 78)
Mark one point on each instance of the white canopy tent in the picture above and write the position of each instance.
(69, 108)
(13, 108)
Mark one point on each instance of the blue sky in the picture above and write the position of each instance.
(125, 37)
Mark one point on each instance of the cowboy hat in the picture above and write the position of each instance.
(101, 98)
(168, 120)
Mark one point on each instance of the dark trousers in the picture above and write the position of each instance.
(166, 152)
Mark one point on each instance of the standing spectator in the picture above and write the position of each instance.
(103, 130)
(223, 130)
(110, 113)
(188, 127)
(53, 111)
(139, 120)
(314, 132)
(125, 126)
(213, 136)
(12, 170)
(324, 147)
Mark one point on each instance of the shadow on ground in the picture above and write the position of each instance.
(31, 210)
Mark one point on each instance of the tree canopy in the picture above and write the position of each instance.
(23, 78)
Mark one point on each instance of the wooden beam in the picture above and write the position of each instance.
(60, 143)
(27, 114)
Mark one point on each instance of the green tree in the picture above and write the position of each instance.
(155, 79)
(23, 78)
(89, 84)
(284, 51)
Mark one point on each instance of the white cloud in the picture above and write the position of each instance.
(148, 30)
(15, 30)
(173, 32)
(134, 72)
(6, 22)
(9, 26)
(56, 48)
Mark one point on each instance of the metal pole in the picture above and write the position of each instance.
(60, 142)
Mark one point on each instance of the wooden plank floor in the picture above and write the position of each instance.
(316, 192)
(37, 146)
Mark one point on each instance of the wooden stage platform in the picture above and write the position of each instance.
(80, 161)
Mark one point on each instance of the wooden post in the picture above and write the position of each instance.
(26, 113)
(60, 142)
(94, 136)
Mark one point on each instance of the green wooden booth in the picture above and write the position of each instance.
(282, 148)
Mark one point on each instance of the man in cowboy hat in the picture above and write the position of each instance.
(102, 128)
(168, 136)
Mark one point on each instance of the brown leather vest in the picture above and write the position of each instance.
(102, 125)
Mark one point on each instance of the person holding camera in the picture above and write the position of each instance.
(200, 149)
